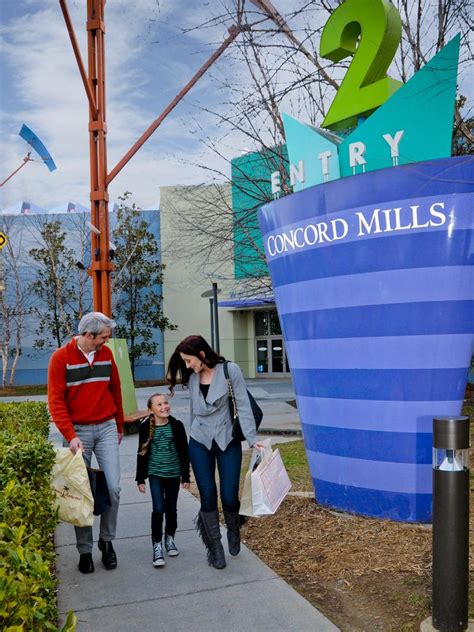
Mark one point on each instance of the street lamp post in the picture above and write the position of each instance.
(214, 315)
(211, 314)
(215, 291)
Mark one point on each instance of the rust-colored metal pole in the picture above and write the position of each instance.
(101, 266)
(233, 32)
(94, 84)
(77, 55)
(26, 159)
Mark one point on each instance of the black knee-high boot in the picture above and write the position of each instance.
(207, 525)
(233, 522)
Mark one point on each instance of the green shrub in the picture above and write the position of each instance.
(27, 521)
(28, 416)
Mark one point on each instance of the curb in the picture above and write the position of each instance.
(278, 431)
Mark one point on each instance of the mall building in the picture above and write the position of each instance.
(207, 234)
(210, 234)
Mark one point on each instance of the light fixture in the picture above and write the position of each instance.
(450, 586)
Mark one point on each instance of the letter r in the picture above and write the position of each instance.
(356, 154)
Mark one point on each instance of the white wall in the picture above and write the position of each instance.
(191, 267)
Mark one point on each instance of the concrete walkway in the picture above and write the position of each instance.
(279, 417)
(187, 594)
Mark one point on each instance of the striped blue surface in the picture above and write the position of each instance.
(397, 447)
(418, 180)
(384, 352)
(393, 286)
(372, 502)
(390, 384)
(384, 253)
(406, 478)
(379, 334)
(400, 319)
(356, 230)
(381, 415)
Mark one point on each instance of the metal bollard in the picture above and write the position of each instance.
(450, 592)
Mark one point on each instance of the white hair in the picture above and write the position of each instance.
(95, 323)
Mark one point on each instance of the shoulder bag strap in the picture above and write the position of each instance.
(232, 403)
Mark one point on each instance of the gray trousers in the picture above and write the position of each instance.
(102, 440)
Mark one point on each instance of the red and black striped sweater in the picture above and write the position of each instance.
(83, 393)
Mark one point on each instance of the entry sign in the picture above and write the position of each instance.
(3, 240)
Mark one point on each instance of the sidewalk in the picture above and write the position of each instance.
(186, 595)
(279, 417)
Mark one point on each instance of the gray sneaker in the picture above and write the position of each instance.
(158, 558)
(170, 546)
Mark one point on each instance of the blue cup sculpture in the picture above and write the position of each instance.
(374, 285)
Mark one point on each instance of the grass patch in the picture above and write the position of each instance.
(293, 455)
(19, 391)
(42, 389)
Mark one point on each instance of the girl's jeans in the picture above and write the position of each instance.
(164, 495)
(229, 462)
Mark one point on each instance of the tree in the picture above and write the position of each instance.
(54, 286)
(274, 67)
(137, 282)
(16, 303)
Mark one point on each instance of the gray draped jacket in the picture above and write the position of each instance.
(210, 417)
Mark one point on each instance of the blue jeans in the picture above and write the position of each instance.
(229, 462)
(102, 440)
(164, 496)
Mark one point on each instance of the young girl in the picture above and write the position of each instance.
(163, 459)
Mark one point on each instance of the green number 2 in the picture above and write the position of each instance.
(370, 30)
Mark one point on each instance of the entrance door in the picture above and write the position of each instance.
(271, 356)
(270, 349)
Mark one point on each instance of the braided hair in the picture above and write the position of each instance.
(144, 446)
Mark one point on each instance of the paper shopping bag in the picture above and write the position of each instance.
(270, 485)
(71, 486)
(246, 499)
(246, 508)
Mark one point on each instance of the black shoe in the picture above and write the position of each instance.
(207, 525)
(109, 559)
(86, 565)
(232, 520)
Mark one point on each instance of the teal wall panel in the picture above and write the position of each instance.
(251, 188)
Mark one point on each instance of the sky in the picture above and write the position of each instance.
(148, 60)
(152, 50)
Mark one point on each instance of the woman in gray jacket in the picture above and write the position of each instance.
(200, 368)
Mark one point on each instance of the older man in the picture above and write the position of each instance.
(85, 403)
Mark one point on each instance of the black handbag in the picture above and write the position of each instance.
(100, 491)
(234, 414)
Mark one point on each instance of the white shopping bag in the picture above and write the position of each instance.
(72, 488)
(266, 484)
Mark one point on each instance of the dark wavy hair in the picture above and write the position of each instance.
(192, 345)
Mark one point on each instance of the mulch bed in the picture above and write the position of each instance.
(335, 560)
(365, 575)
